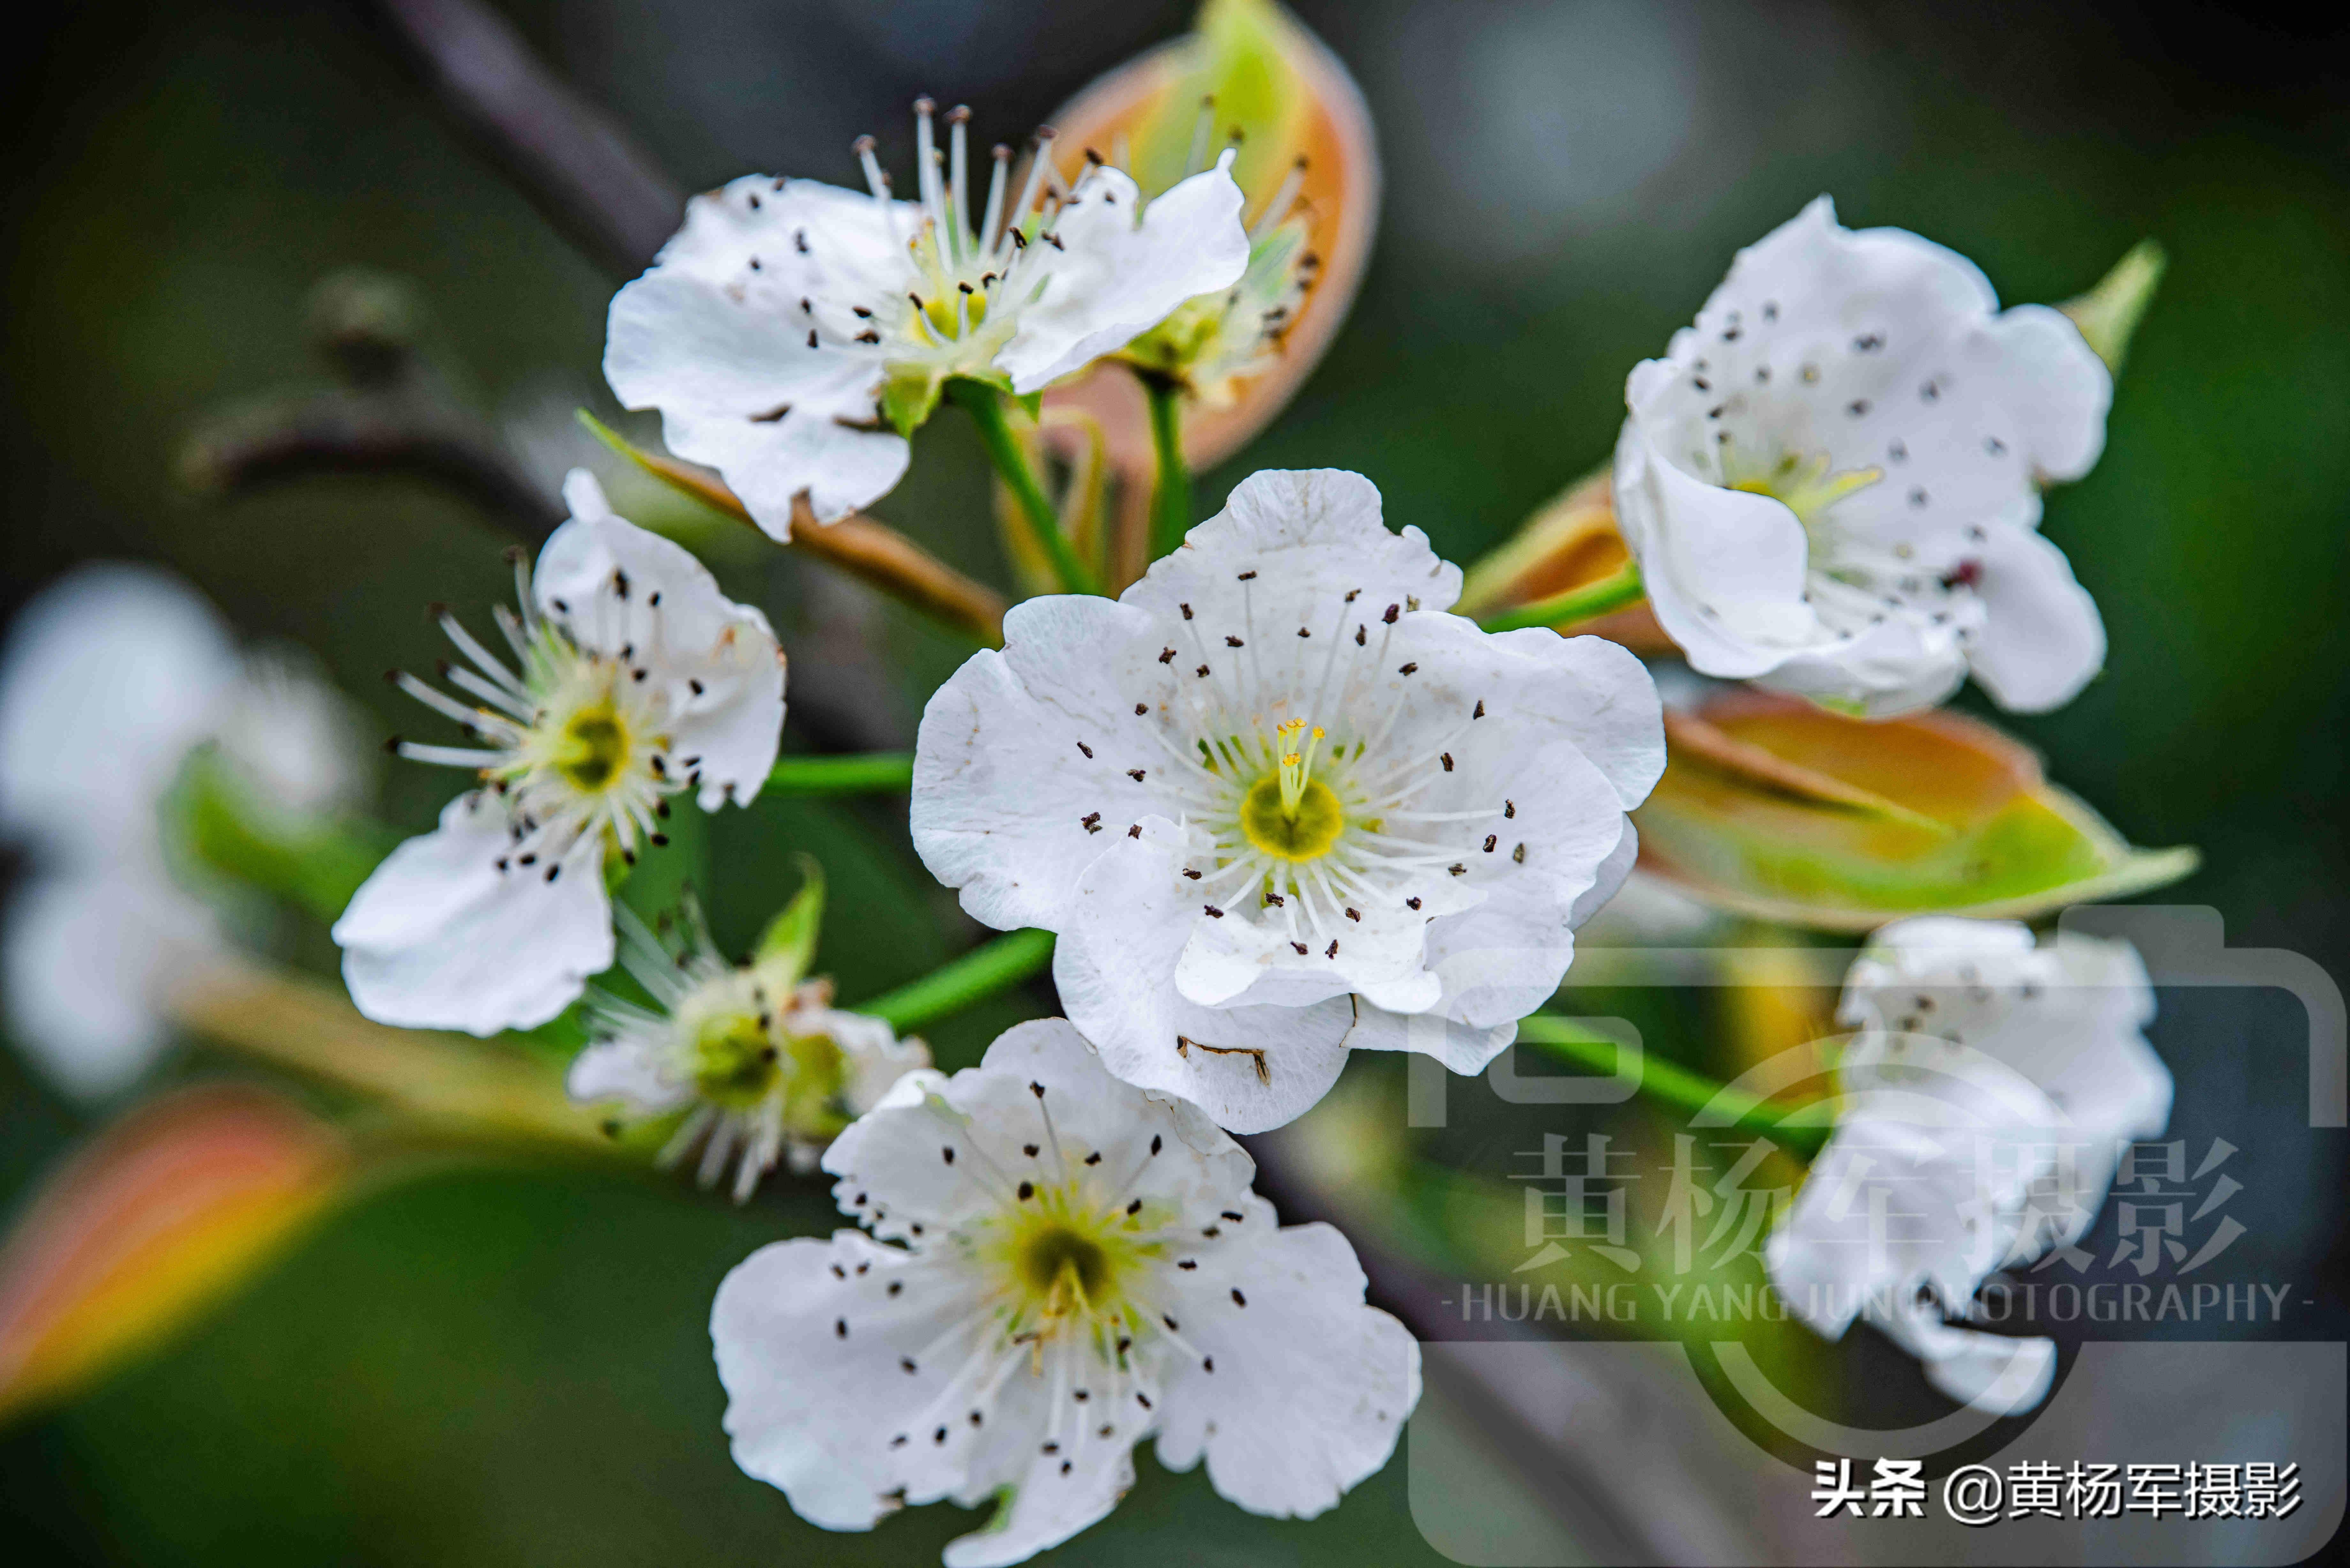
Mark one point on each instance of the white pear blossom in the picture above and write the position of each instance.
(633, 679)
(762, 1062)
(1277, 803)
(1985, 1103)
(1059, 1266)
(113, 678)
(794, 333)
(1832, 480)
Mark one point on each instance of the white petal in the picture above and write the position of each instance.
(1990, 1372)
(630, 1070)
(1115, 970)
(2045, 640)
(721, 347)
(439, 937)
(686, 634)
(110, 676)
(1117, 278)
(1898, 666)
(1309, 535)
(1000, 789)
(811, 1348)
(92, 959)
(1724, 569)
(1311, 1388)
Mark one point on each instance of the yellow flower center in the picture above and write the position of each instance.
(735, 1061)
(1805, 486)
(1067, 1257)
(1289, 813)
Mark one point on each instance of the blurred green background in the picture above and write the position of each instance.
(512, 1366)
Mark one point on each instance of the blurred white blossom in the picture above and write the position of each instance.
(1984, 1105)
(113, 678)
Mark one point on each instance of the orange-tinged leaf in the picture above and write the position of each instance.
(1291, 99)
(152, 1222)
(1786, 811)
(1571, 543)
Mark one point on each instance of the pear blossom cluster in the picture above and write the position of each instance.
(1275, 802)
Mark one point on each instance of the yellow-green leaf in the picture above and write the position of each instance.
(1812, 819)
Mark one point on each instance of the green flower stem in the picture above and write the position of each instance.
(873, 773)
(1610, 593)
(1171, 501)
(985, 405)
(1674, 1086)
(978, 974)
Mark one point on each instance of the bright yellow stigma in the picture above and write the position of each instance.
(1289, 813)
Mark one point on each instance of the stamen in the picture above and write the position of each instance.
(988, 232)
(1276, 208)
(1204, 130)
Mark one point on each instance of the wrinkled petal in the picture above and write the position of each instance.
(1250, 1067)
(1000, 789)
(1117, 277)
(721, 346)
(439, 937)
(2045, 640)
(1309, 1388)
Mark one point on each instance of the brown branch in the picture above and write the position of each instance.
(575, 166)
(349, 432)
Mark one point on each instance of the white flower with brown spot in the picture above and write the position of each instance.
(793, 334)
(1832, 480)
(633, 679)
(1059, 1266)
(1985, 1104)
(1279, 805)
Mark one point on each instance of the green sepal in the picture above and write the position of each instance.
(910, 396)
(787, 947)
(1033, 403)
(2109, 313)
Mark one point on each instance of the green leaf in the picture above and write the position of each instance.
(1784, 811)
(312, 863)
(787, 947)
